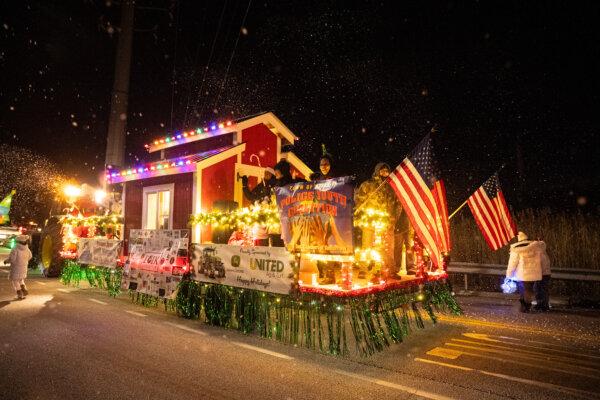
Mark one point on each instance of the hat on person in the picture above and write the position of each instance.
(270, 170)
(521, 236)
(22, 238)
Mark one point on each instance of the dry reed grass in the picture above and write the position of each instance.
(573, 239)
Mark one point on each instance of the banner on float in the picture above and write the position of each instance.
(316, 217)
(268, 269)
(98, 251)
(157, 260)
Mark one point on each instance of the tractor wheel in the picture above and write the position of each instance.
(51, 244)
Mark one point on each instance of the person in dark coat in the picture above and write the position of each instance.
(283, 174)
(326, 170)
(262, 190)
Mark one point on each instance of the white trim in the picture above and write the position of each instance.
(273, 123)
(197, 205)
(297, 163)
(217, 158)
(192, 138)
(170, 187)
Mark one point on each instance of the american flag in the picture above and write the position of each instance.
(422, 194)
(491, 213)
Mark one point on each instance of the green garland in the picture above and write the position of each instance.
(332, 325)
(96, 220)
(266, 215)
(99, 277)
(314, 321)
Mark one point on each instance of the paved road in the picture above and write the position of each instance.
(67, 343)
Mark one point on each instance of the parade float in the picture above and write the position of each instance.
(190, 243)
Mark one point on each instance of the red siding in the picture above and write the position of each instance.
(262, 142)
(218, 182)
(182, 200)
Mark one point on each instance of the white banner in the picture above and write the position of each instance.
(99, 252)
(268, 269)
(157, 261)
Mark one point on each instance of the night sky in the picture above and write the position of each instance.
(512, 82)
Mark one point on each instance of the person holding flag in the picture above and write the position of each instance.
(418, 185)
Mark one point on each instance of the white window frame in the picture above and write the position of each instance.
(155, 189)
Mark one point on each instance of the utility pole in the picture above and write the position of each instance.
(115, 144)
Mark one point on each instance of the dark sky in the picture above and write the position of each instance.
(512, 82)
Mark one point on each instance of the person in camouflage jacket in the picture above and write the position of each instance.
(384, 198)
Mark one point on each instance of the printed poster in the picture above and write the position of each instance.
(268, 269)
(316, 217)
(98, 251)
(157, 260)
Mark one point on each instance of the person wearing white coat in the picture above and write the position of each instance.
(542, 288)
(525, 267)
(19, 258)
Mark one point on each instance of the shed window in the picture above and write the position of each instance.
(158, 207)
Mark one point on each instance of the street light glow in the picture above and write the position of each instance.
(72, 191)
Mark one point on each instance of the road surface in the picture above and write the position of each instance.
(69, 343)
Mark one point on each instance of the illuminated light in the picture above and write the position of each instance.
(167, 140)
(72, 191)
(99, 196)
(228, 123)
(152, 168)
(172, 137)
(159, 167)
(162, 140)
(213, 127)
(206, 129)
(145, 169)
(420, 297)
(221, 126)
(140, 170)
(113, 174)
(199, 130)
(178, 136)
(146, 146)
(172, 164)
(156, 142)
(180, 163)
(123, 173)
(186, 135)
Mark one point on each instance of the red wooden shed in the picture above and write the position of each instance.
(196, 170)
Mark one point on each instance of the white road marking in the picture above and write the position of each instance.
(99, 302)
(559, 388)
(186, 328)
(264, 351)
(391, 385)
(137, 314)
(570, 352)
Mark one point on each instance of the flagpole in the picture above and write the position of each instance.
(371, 195)
(458, 209)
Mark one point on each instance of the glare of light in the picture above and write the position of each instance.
(72, 191)
(99, 196)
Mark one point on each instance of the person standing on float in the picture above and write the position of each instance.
(327, 269)
(373, 193)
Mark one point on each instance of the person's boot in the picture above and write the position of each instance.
(524, 306)
(24, 290)
(19, 295)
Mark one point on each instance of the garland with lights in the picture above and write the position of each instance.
(265, 215)
(315, 321)
(100, 221)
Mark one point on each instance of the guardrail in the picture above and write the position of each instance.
(466, 268)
